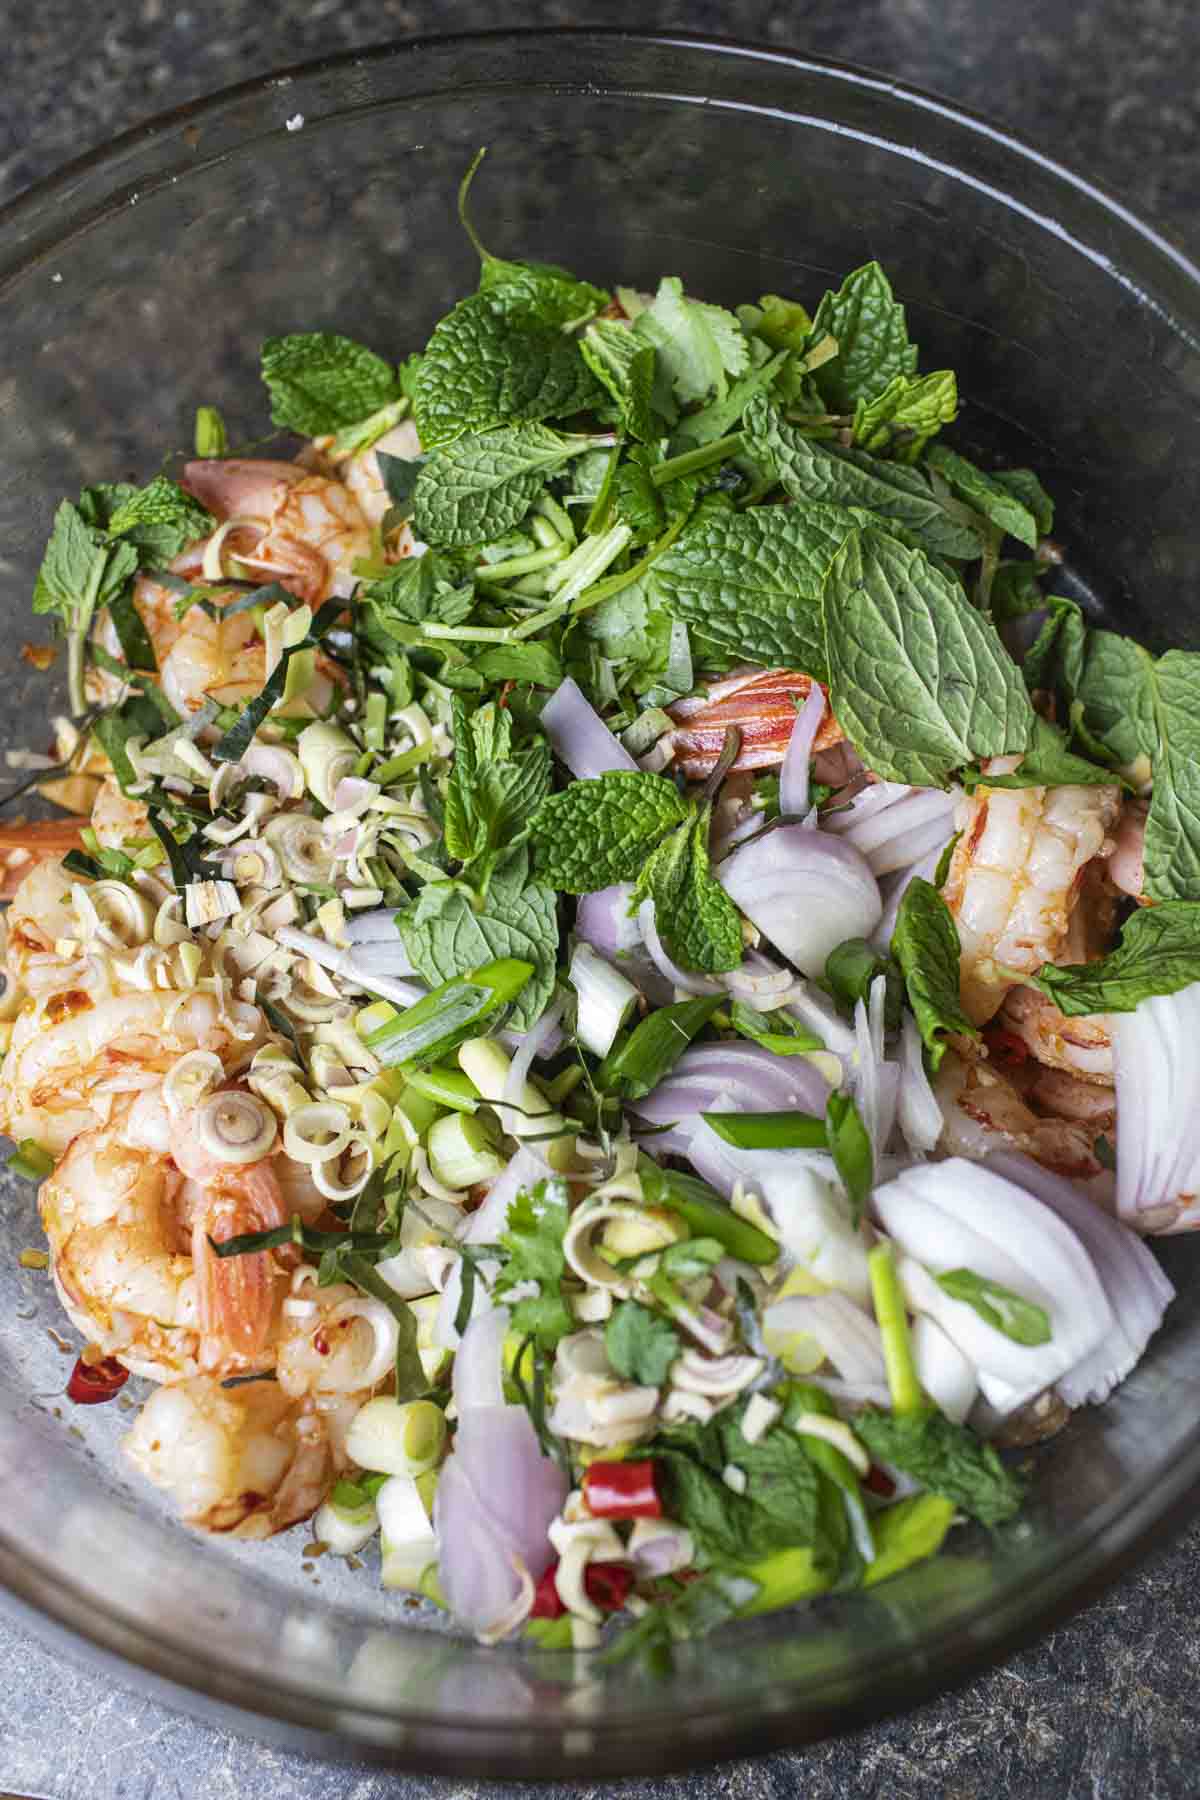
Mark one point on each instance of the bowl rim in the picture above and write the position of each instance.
(47, 1603)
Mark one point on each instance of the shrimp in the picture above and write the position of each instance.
(33, 843)
(61, 1078)
(116, 816)
(762, 707)
(1125, 862)
(214, 659)
(1014, 878)
(364, 478)
(309, 530)
(984, 1112)
(1080, 1047)
(40, 916)
(129, 1229)
(247, 1461)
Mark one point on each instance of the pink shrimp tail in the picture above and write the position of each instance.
(235, 1294)
(235, 485)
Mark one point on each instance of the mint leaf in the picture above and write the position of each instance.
(1159, 953)
(492, 792)
(1024, 484)
(1047, 763)
(783, 324)
(415, 591)
(1171, 854)
(624, 364)
(699, 346)
(636, 501)
(697, 921)
(481, 486)
(533, 1245)
(719, 417)
(780, 1509)
(595, 833)
(535, 664)
(811, 471)
(920, 682)
(901, 420)
(159, 520)
(945, 1458)
(640, 1344)
(502, 355)
(1016, 591)
(1018, 1318)
(872, 337)
(750, 583)
(320, 382)
(925, 944)
(985, 493)
(73, 567)
(445, 936)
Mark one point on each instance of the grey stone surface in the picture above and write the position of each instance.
(1108, 1706)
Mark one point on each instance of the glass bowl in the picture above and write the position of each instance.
(139, 283)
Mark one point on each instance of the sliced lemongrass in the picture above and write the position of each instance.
(235, 1127)
(398, 1438)
(317, 1133)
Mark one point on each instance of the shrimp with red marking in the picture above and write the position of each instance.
(1014, 879)
(984, 1111)
(302, 530)
(762, 707)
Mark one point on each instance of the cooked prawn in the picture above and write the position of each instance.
(62, 1078)
(129, 1241)
(214, 659)
(1080, 1047)
(1014, 878)
(248, 1460)
(302, 530)
(984, 1112)
(762, 707)
(1125, 861)
(40, 916)
(32, 842)
(117, 816)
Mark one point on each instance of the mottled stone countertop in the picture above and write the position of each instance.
(1108, 1706)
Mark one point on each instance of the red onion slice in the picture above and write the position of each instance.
(918, 1113)
(486, 1224)
(579, 736)
(497, 1449)
(893, 825)
(531, 1046)
(1137, 1289)
(479, 1362)
(603, 920)
(793, 774)
(753, 1079)
(1158, 1107)
(806, 891)
(475, 1571)
(892, 891)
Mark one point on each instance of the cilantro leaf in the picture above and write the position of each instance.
(946, 1458)
(445, 936)
(598, 832)
(812, 471)
(320, 382)
(720, 417)
(919, 681)
(696, 919)
(872, 338)
(501, 355)
(641, 1344)
(985, 493)
(1159, 953)
(1006, 1312)
(482, 485)
(750, 583)
(699, 346)
(532, 1242)
(925, 944)
(901, 419)
(624, 364)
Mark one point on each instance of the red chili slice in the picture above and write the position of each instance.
(877, 1482)
(607, 1585)
(622, 1490)
(93, 1383)
(546, 1603)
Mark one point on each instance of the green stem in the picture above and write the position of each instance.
(77, 647)
(558, 516)
(604, 590)
(597, 519)
(524, 565)
(892, 1318)
(720, 450)
(989, 563)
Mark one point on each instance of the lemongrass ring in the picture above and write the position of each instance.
(302, 845)
(327, 1176)
(235, 1127)
(316, 1133)
(386, 1331)
(123, 911)
(274, 764)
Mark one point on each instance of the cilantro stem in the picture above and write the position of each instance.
(720, 450)
(403, 764)
(538, 620)
(892, 1319)
(468, 634)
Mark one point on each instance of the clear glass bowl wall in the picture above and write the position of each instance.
(139, 284)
